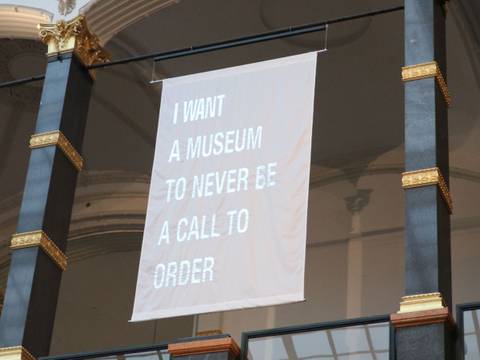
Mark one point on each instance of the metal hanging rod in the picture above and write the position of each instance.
(245, 40)
(22, 81)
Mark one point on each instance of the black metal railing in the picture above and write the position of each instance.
(366, 338)
(468, 325)
(149, 352)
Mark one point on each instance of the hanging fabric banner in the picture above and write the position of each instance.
(227, 208)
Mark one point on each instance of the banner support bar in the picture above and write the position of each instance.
(241, 41)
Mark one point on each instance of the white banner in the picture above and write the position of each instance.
(227, 209)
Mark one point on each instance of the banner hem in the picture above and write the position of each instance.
(210, 308)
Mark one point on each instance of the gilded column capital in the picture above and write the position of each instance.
(73, 35)
(15, 353)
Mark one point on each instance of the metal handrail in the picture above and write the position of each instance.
(110, 352)
(246, 336)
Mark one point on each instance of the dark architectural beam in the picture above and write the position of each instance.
(423, 324)
(38, 247)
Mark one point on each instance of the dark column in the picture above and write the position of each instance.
(221, 347)
(38, 247)
(423, 324)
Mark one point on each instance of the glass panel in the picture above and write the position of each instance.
(350, 340)
(267, 348)
(143, 355)
(150, 355)
(471, 334)
(311, 344)
(383, 356)
(468, 325)
(364, 342)
(356, 357)
(380, 335)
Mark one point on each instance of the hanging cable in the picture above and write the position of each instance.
(241, 41)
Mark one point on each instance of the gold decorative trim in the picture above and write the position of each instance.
(427, 70)
(73, 35)
(15, 353)
(39, 238)
(57, 138)
(421, 302)
(426, 177)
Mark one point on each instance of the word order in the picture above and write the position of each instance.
(181, 273)
(201, 108)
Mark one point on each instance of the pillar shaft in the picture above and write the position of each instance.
(34, 278)
(426, 146)
(39, 245)
(423, 324)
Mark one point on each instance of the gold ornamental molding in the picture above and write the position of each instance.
(424, 71)
(426, 177)
(15, 353)
(57, 138)
(73, 35)
(421, 302)
(421, 309)
(39, 238)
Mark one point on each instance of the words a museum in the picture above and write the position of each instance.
(242, 179)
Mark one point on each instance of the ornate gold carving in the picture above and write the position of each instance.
(39, 238)
(15, 353)
(427, 70)
(421, 302)
(421, 177)
(419, 71)
(426, 177)
(57, 138)
(73, 35)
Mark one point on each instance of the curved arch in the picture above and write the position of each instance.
(108, 17)
(20, 22)
(104, 17)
